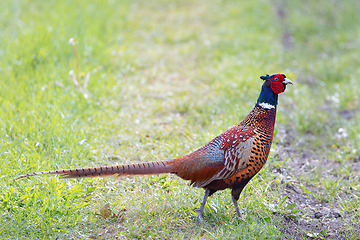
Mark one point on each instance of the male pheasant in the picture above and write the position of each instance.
(230, 160)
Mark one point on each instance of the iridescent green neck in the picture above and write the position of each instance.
(267, 99)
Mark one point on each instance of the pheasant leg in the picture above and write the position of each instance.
(237, 210)
(201, 209)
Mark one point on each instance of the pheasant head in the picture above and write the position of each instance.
(273, 85)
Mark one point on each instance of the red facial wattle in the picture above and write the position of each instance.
(276, 84)
(278, 87)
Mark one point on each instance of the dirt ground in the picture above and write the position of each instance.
(317, 219)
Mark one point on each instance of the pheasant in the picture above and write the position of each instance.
(230, 160)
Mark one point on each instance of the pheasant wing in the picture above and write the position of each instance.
(236, 144)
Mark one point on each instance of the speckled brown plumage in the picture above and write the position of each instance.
(263, 121)
(230, 160)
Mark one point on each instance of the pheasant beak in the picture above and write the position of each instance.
(287, 81)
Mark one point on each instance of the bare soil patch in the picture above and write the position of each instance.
(318, 219)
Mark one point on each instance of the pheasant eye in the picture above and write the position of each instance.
(276, 79)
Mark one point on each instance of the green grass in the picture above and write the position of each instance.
(166, 77)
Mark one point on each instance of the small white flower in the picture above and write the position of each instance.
(72, 41)
(343, 132)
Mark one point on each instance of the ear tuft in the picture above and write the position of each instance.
(265, 77)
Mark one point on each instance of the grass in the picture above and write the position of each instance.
(165, 78)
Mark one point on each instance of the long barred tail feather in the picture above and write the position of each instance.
(147, 168)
